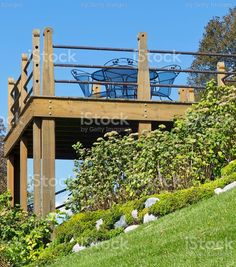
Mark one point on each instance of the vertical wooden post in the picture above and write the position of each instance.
(48, 130)
(96, 89)
(36, 62)
(10, 178)
(37, 139)
(144, 90)
(37, 153)
(11, 83)
(220, 67)
(186, 95)
(23, 92)
(23, 174)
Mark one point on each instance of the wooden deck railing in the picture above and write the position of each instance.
(27, 84)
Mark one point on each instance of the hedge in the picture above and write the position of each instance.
(81, 227)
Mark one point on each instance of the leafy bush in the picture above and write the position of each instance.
(22, 236)
(229, 169)
(118, 169)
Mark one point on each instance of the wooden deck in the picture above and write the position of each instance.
(44, 126)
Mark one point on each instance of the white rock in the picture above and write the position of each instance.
(77, 248)
(131, 228)
(93, 244)
(149, 218)
(134, 214)
(98, 224)
(226, 188)
(151, 201)
(72, 240)
(218, 191)
(229, 186)
(121, 222)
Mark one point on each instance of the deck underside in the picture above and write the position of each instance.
(84, 120)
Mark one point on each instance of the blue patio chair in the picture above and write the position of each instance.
(167, 76)
(86, 88)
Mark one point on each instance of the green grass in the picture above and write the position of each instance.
(200, 235)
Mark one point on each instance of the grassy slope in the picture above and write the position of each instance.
(163, 243)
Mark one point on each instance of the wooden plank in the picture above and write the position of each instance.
(23, 92)
(48, 68)
(23, 174)
(10, 178)
(220, 67)
(48, 166)
(129, 110)
(144, 127)
(96, 89)
(144, 89)
(186, 95)
(11, 83)
(14, 135)
(37, 148)
(36, 61)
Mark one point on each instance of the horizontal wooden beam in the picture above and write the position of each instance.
(81, 108)
(101, 109)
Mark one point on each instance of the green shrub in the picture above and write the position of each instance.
(22, 236)
(119, 169)
(229, 169)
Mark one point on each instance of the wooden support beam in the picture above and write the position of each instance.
(48, 67)
(10, 178)
(37, 153)
(36, 62)
(96, 89)
(48, 129)
(220, 67)
(48, 166)
(144, 89)
(17, 188)
(186, 95)
(11, 84)
(23, 173)
(23, 92)
(144, 127)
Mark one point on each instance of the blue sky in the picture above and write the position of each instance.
(170, 25)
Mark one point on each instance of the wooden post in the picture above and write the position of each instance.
(96, 89)
(23, 92)
(220, 67)
(48, 130)
(186, 95)
(10, 178)
(48, 166)
(11, 84)
(37, 139)
(37, 153)
(23, 174)
(144, 90)
(36, 62)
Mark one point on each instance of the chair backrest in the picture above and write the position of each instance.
(83, 76)
(167, 76)
(123, 61)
